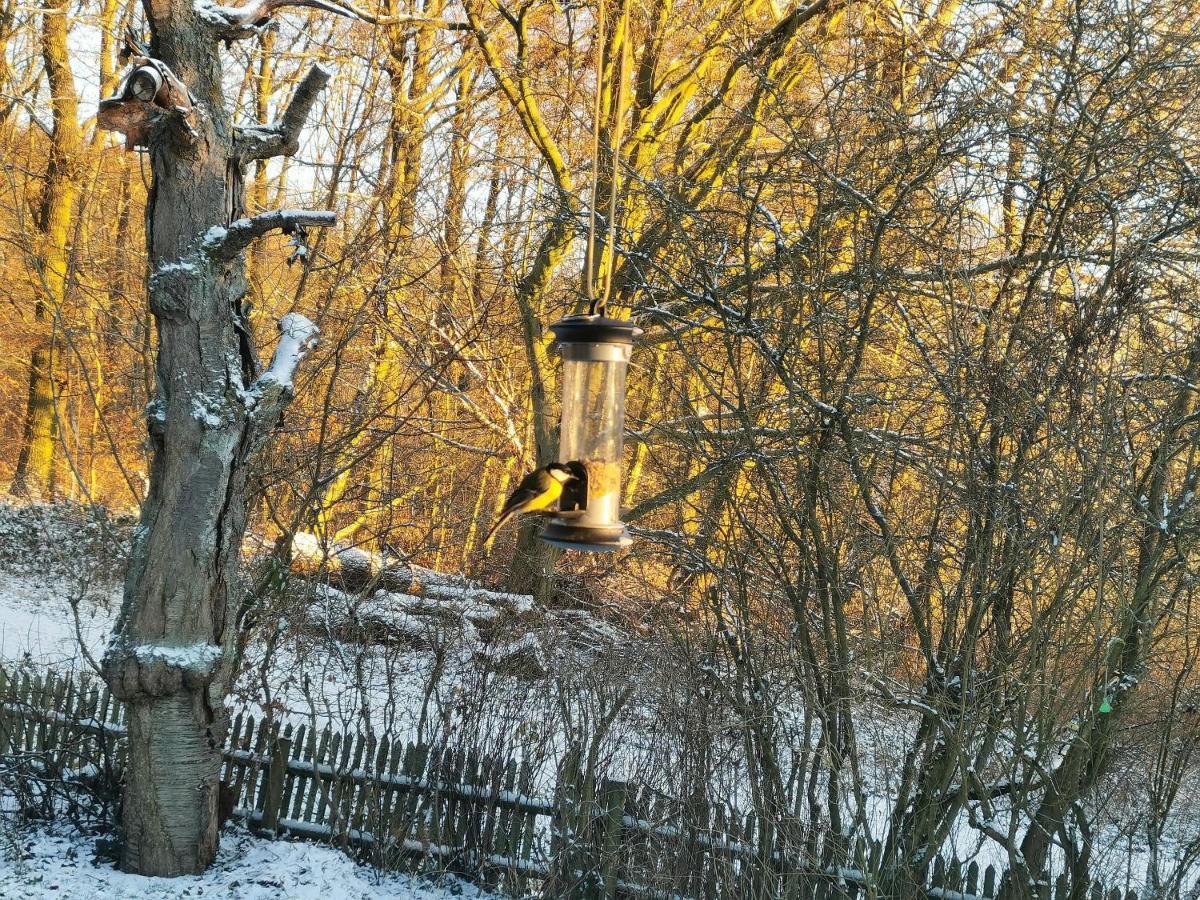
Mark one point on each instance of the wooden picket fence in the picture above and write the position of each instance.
(404, 805)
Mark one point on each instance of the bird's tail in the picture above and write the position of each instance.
(504, 517)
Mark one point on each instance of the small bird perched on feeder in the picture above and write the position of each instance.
(538, 492)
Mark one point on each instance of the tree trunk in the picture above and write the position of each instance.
(264, 87)
(169, 658)
(533, 563)
(534, 560)
(182, 567)
(34, 475)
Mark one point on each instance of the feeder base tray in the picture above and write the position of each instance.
(593, 538)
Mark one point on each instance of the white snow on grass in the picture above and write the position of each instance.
(454, 657)
(62, 864)
(36, 621)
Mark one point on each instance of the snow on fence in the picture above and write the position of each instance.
(438, 808)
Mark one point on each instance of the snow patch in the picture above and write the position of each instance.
(183, 267)
(210, 13)
(156, 411)
(297, 334)
(217, 233)
(204, 413)
(520, 604)
(198, 657)
(62, 864)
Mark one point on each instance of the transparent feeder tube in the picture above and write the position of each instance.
(593, 425)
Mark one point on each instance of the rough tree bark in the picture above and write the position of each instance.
(169, 657)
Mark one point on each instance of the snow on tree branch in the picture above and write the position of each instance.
(282, 138)
(225, 244)
(233, 23)
(298, 335)
(271, 392)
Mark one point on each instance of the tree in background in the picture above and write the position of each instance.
(34, 475)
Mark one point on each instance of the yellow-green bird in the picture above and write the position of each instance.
(537, 492)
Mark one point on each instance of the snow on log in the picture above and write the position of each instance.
(517, 604)
(404, 604)
(349, 567)
(429, 593)
(386, 618)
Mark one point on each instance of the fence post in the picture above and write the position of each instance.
(564, 832)
(989, 882)
(4, 717)
(272, 790)
(613, 806)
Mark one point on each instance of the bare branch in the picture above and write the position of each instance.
(233, 23)
(520, 94)
(681, 490)
(282, 138)
(226, 243)
(409, 20)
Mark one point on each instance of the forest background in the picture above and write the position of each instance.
(913, 419)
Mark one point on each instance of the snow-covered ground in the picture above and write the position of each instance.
(62, 864)
(36, 621)
(57, 612)
(455, 660)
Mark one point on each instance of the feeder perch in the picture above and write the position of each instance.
(595, 352)
(144, 83)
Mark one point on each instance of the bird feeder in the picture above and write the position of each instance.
(150, 90)
(595, 353)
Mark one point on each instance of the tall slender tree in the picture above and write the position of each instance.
(34, 473)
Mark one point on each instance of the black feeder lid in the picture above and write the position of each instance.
(587, 329)
(593, 538)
